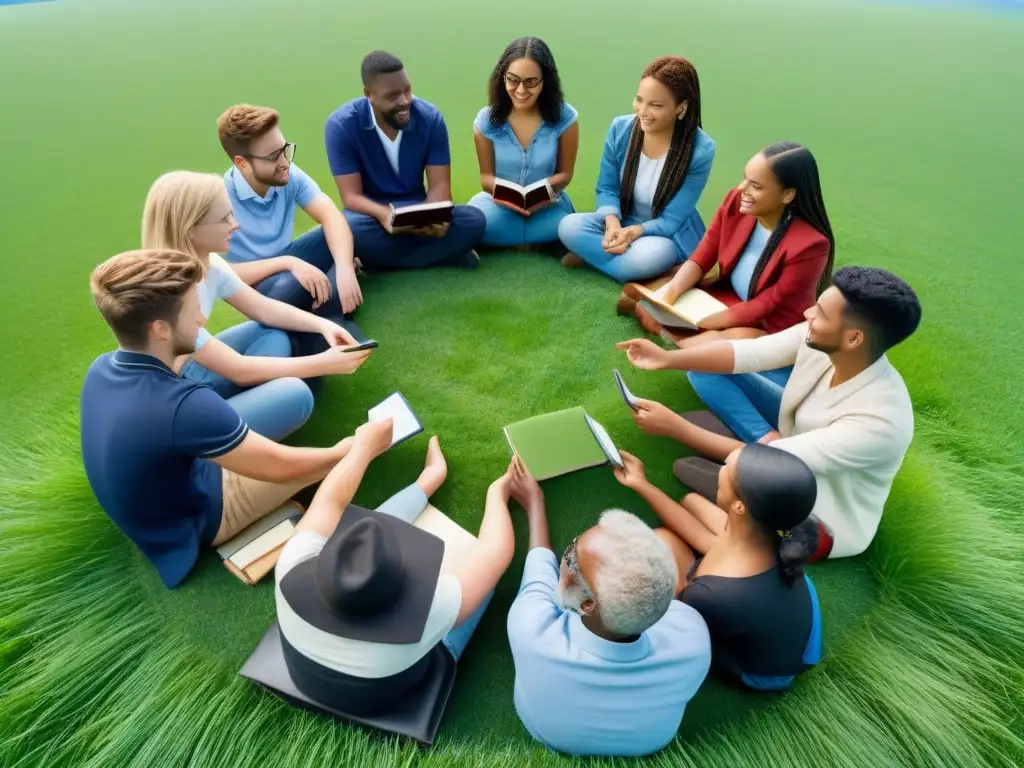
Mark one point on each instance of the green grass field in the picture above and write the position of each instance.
(912, 113)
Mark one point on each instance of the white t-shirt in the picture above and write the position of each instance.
(647, 174)
(359, 657)
(220, 282)
(390, 147)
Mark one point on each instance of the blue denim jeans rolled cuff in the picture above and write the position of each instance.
(375, 248)
(646, 258)
(747, 403)
(407, 505)
(508, 228)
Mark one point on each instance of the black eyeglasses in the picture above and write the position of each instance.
(529, 83)
(288, 150)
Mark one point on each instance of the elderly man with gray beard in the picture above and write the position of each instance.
(606, 660)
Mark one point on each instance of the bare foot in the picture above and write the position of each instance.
(435, 469)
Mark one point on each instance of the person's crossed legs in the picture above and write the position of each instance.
(375, 248)
(312, 249)
(646, 258)
(408, 504)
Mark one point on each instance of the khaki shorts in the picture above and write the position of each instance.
(247, 500)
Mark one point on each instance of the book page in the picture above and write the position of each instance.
(458, 542)
(406, 424)
(694, 305)
(665, 317)
(606, 442)
(509, 185)
(290, 510)
(257, 548)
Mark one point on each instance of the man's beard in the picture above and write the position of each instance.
(270, 181)
(571, 598)
(182, 346)
(392, 121)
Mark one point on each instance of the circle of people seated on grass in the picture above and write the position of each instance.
(806, 424)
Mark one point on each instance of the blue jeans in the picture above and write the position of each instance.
(376, 248)
(274, 409)
(646, 258)
(312, 249)
(748, 403)
(508, 228)
(407, 505)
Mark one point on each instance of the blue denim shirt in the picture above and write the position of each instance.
(680, 221)
(538, 161)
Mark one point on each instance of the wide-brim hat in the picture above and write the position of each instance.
(374, 580)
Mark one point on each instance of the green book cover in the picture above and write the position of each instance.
(558, 443)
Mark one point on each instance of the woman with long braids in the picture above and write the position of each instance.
(655, 166)
(526, 134)
(746, 578)
(773, 245)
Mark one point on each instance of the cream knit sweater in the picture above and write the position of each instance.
(853, 437)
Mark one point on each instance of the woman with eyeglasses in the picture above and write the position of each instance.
(746, 578)
(655, 166)
(250, 364)
(527, 135)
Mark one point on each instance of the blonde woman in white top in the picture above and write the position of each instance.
(249, 364)
(844, 409)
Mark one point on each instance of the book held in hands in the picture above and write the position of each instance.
(406, 424)
(523, 199)
(407, 217)
(561, 442)
(253, 552)
(686, 312)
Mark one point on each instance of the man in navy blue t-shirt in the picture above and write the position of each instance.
(379, 148)
(169, 460)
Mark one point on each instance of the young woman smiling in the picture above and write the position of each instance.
(527, 133)
(655, 166)
(773, 245)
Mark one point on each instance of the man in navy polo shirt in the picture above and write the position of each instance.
(170, 461)
(379, 148)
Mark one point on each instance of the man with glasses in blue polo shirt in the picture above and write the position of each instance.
(379, 147)
(606, 660)
(264, 187)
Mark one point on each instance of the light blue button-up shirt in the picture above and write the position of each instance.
(539, 160)
(744, 269)
(265, 224)
(581, 694)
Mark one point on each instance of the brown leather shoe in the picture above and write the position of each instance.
(647, 322)
(571, 261)
(626, 307)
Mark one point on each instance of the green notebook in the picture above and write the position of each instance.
(561, 442)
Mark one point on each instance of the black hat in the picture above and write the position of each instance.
(374, 580)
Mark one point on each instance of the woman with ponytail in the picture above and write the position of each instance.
(655, 166)
(746, 578)
(772, 243)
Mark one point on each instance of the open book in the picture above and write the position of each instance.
(253, 552)
(561, 442)
(522, 198)
(406, 423)
(421, 215)
(687, 311)
(458, 542)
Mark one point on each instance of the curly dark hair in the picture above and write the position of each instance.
(550, 100)
(680, 77)
(879, 303)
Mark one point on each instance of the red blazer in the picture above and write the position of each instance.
(789, 282)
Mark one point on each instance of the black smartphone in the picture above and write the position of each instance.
(371, 344)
